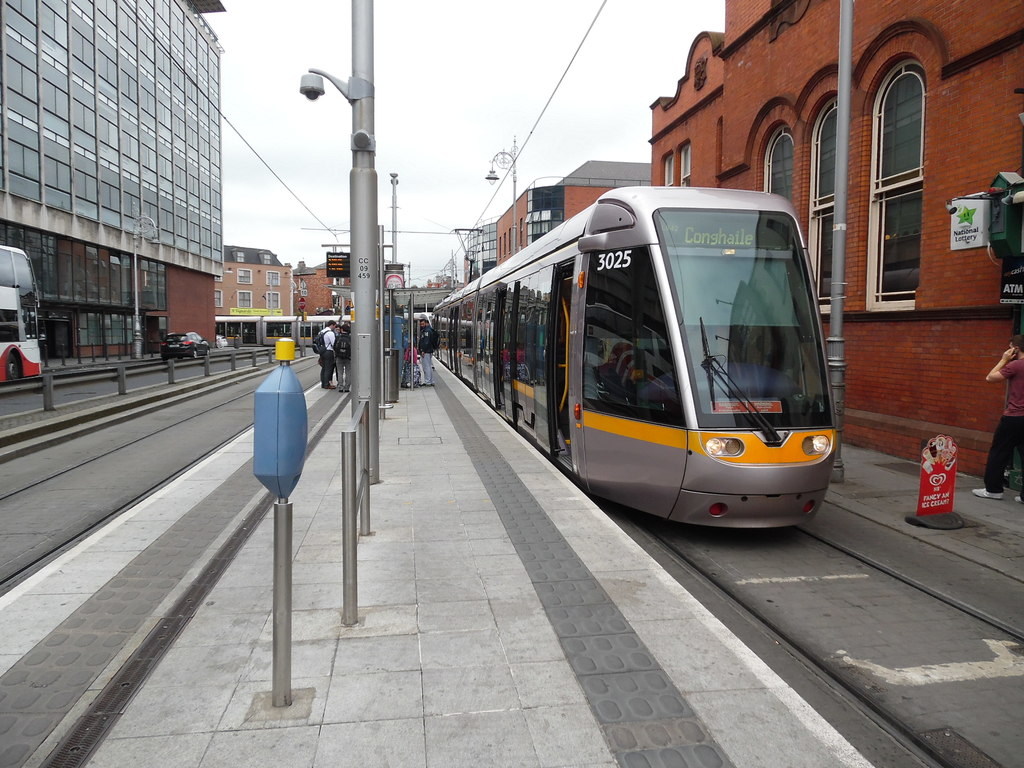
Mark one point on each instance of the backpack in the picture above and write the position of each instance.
(318, 343)
(343, 346)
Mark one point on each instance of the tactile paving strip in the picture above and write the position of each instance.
(646, 721)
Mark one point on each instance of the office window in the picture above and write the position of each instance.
(894, 253)
(778, 173)
(245, 299)
(245, 276)
(823, 187)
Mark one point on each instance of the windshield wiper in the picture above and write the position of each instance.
(715, 369)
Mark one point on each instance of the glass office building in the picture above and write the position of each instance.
(111, 148)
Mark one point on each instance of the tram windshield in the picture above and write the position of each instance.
(748, 319)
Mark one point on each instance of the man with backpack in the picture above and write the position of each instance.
(428, 344)
(323, 345)
(343, 356)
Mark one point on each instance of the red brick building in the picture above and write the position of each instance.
(934, 117)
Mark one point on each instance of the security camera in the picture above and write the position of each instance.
(950, 207)
(311, 86)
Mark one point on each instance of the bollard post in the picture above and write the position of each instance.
(122, 380)
(349, 539)
(279, 450)
(254, 363)
(170, 370)
(48, 392)
(206, 365)
(234, 363)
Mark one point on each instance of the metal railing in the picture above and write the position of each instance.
(355, 475)
(120, 373)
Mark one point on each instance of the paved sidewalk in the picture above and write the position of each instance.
(484, 639)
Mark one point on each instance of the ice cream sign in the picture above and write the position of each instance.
(968, 222)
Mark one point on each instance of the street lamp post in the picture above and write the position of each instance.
(506, 160)
(358, 90)
(142, 226)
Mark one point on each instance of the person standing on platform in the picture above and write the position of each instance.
(343, 356)
(326, 338)
(1009, 432)
(427, 345)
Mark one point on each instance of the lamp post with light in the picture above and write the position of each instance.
(506, 160)
(142, 227)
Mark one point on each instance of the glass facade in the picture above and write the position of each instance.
(111, 111)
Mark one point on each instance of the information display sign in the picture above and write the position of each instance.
(339, 264)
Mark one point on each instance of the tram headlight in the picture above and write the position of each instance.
(723, 446)
(817, 445)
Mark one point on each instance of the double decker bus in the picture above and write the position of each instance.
(19, 326)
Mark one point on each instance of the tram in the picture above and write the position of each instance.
(664, 349)
(267, 330)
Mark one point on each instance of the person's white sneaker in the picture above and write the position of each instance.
(1018, 499)
(984, 494)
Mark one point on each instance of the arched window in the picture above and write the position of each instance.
(684, 165)
(823, 188)
(897, 180)
(778, 172)
(669, 170)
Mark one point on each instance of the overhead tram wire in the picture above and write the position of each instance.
(279, 179)
(544, 109)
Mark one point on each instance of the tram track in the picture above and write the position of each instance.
(785, 624)
(146, 441)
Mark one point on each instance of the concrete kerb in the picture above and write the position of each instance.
(21, 440)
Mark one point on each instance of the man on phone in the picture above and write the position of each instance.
(1009, 432)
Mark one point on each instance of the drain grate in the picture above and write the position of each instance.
(957, 750)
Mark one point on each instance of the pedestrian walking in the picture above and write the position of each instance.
(343, 356)
(428, 343)
(323, 345)
(1009, 432)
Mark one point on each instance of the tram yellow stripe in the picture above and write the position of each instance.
(637, 430)
(525, 389)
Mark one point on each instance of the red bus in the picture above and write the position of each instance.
(19, 326)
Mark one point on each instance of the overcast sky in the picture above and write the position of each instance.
(456, 81)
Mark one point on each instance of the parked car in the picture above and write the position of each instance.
(189, 344)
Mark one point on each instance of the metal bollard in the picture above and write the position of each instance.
(234, 362)
(206, 365)
(48, 392)
(122, 380)
(170, 370)
(254, 363)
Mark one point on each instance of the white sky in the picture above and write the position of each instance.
(455, 81)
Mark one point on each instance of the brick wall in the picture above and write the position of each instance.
(909, 372)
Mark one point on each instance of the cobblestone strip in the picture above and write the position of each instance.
(646, 721)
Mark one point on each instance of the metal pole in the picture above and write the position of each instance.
(836, 342)
(282, 650)
(136, 321)
(349, 539)
(515, 201)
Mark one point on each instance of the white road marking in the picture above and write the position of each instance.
(795, 579)
(1006, 664)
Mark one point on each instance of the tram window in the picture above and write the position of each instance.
(628, 366)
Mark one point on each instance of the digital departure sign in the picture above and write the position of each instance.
(338, 264)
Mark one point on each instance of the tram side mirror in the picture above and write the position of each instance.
(609, 227)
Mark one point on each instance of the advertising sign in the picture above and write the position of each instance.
(968, 223)
(1012, 283)
(938, 476)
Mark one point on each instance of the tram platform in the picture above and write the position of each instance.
(504, 620)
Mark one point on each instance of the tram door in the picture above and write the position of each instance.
(508, 314)
(561, 307)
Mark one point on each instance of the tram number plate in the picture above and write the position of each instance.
(614, 259)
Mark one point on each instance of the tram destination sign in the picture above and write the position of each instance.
(339, 264)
